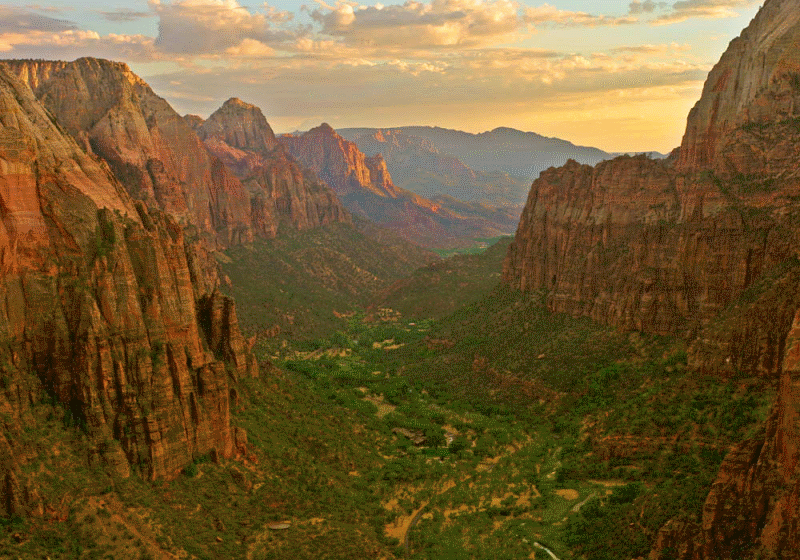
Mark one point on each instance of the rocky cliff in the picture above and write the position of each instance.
(108, 309)
(153, 151)
(419, 166)
(365, 187)
(338, 162)
(280, 189)
(702, 244)
(755, 84)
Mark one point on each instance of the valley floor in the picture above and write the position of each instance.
(493, 430)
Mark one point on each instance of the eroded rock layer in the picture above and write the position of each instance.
(151, 149)
(280, 189)
(703, 244)
(106, 308)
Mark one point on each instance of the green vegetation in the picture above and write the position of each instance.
(437, 290)
(479, 246)
(294, 286)
(470, 428)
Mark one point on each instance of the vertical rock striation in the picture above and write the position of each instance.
(103, 300)
(280, 189)
(151, 149)
(340, 163)
(702, 244)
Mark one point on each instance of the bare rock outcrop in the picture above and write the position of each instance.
(102, 305)
(151, 149)
(339, 162)
(280, 189)
(703, 244)
(755, 83)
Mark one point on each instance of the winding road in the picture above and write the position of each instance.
(547, 550)
(414, 521)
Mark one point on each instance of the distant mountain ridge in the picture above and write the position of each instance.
(418, 165)
(520, 154)
(365, 187)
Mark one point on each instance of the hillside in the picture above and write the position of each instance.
(505, 150)
(670, 246)
(365, 187)
(298, 286)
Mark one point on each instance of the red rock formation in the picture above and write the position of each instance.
(280, 189)
(155, 153)
(630, 243)
(756, 82)
(670, 246)
(365, 187)
(102, 298)
(339, 162)
(379, 174)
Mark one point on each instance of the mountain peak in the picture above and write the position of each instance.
(240, 125)
(236, 102)
(324, 128)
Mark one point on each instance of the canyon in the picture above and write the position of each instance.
(125, 228)
(667, 246)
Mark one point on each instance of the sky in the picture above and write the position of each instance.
(620, 75)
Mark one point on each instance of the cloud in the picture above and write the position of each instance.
(74, 43)
(125, 15)
(196, 27)
(16, 20)
(547, 15)
(652, 49)
(250, 48)
(298, 87)
(416, 25)
(647, 7)
(705, 9)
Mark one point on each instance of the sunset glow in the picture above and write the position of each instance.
(618, 75)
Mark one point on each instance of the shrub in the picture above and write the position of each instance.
(190, 470)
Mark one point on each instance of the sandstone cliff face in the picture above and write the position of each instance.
(338, 162)
(670, 246)
(107, 308)
(280, 189)
(755, 83)
(365, 187)
(155, 153)
(630, 242)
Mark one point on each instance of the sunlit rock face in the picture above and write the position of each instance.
(108, 308)
(281, 190)
(668, 247)
(151, 149)
(340, 163)
(365, 187)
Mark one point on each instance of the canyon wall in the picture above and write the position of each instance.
(365, 187)
(338, 162)
(156, 155)
(280, 189)
(108, 310)
(703, 245)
